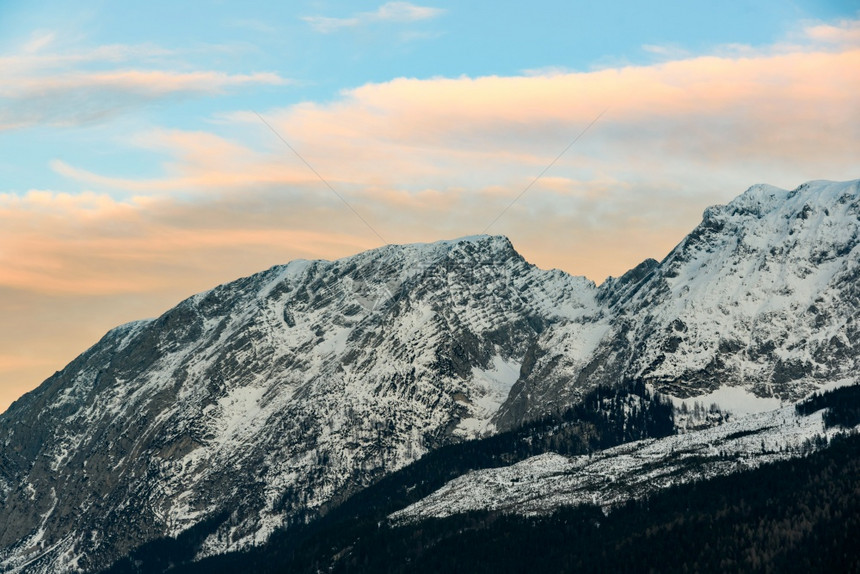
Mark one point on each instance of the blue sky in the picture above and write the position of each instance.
(136, 171)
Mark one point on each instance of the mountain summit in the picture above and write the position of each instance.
(267, 401)
(262, 401)
(764, 294)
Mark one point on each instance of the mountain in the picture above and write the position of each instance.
(764, 295)
(264, 401)
(268, 401)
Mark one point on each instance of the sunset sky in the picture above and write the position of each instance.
(136, 170)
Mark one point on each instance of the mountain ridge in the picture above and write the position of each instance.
(271, 398)
(305, 373)
(683, 324)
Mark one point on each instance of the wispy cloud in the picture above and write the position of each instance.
(38, 40)
(77, 87)
(389, 12)
(844, 32)
(666, 51)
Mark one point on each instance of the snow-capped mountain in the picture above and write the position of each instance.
(268, 400)
(764, 294)
(262, 401)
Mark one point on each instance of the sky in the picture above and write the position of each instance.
(152, 150)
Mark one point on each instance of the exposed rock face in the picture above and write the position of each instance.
(266, 400)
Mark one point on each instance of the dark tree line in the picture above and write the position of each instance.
(842, 404)
(800, 515)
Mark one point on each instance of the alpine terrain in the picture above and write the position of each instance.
(263, 405)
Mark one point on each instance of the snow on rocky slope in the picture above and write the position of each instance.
(270, 399)
(262, 401)
(763, 294)
(541, 484)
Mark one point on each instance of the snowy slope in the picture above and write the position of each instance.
(763, 294)
(541, 484)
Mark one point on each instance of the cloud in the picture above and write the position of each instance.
(199, 162)
(843, 33)
(404, 12)
(389, 12)
(38, 40)
(79, 87)
(423, 159)
(91, 244)
(428, 158)
(672, 52)
(151, 83)
(778, 116)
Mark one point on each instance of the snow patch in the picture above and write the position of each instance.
(541, 484)
(831, 385)
(491, 387)
(735, 400)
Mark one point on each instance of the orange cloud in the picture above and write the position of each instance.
(761, 111)
(443, 146)
(442, 111)
(92, 244)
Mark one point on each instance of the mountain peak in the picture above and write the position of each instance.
(480, 238)
(444, 245)
(762, 198)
